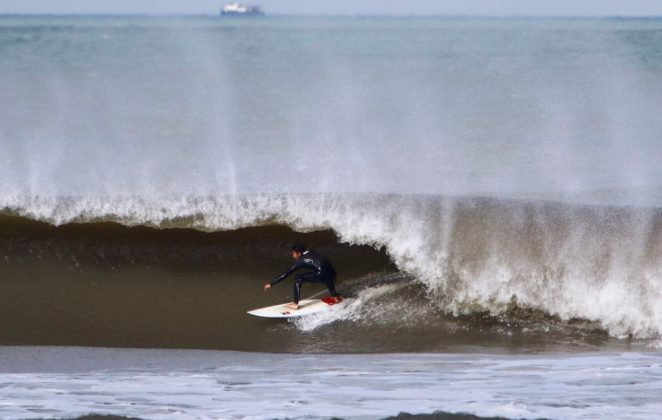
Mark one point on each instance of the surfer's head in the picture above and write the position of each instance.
(297, 250)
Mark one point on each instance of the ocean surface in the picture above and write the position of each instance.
(489, 190)
(59, 382)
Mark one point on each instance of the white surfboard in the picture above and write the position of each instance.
(306, 307)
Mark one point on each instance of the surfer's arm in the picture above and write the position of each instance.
(283, 276)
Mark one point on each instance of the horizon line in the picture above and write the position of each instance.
(330, 15)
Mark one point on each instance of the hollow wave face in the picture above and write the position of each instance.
(471, 254)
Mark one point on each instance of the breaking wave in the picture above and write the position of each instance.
(470, 254)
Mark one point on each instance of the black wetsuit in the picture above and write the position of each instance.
(323, 273)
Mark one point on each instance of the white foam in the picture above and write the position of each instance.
(194, 384)
(367, 306)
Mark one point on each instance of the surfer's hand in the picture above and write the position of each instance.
(267, 286)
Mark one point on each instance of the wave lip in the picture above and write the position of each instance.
(600, 263)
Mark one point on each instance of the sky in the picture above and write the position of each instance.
(347, 7)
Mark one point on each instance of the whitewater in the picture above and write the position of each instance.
(156, 384)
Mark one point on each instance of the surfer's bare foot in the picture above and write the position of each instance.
(293, 306)
(337, 299)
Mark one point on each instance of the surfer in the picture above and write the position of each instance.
(323, 273)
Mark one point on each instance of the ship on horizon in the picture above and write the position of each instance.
(236, 9)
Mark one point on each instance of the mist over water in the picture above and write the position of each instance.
(137, 106)
(384, 131)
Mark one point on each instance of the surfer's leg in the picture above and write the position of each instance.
(297, 290)
(331, 286)
(297, 284)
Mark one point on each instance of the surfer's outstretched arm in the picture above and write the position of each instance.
(297, 265)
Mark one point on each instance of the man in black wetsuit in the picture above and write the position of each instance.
(323, 272)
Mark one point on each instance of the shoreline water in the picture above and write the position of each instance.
(47, 382)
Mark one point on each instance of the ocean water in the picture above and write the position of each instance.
(485, 188)
(157, 384)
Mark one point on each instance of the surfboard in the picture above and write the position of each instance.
(306, 307)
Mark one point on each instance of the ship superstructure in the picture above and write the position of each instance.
(237, 9)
